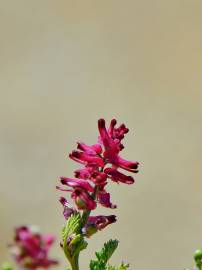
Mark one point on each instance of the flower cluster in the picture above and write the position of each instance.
(100, 162)
(30, 248)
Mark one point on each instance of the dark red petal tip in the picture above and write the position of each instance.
(74, 153)
(62, 200)
(101, 122)
(112, 218)
(134, 166)
(113, 122)
(63, 181)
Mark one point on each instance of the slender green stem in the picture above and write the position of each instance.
(75, 263)
(85, 216)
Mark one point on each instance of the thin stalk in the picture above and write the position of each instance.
(75, 263)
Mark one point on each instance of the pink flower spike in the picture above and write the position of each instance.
(30, 248)
(76, 183)
(101, 162)
(117, 176)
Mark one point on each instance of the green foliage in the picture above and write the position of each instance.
(103, 256)
(73, 240)
(78, 244)
(120, 267)
(72, 226)
(107, 251)
(198, 258)
(6, 266)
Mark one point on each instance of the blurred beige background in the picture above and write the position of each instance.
(64, 64)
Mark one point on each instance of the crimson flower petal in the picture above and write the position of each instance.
(93, 149)
(127, 165)
(68, 210)
(96, 223)
(101, 221)
(83, 200)
(117, 176)
(104, 200)
(76, 183)
(85, 158)
(30, 248)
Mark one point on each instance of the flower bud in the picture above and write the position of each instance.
(83, 200)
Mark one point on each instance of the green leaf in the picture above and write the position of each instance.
(72, 226)
(73, 240)
(6, 266)
(198, 258)
(107, 251)
(78, 244)
(104, 255)
(120, 267)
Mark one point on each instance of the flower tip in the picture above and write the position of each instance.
(63, 180)
(130, 180)
(74, 154)
(101, 122)
(62, 200)
(113, 122)
(79, 145)
(134, 165)
(112, 218)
